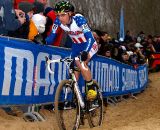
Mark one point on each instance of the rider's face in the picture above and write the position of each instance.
(64, 17)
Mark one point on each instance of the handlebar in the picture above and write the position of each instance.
(67, 61)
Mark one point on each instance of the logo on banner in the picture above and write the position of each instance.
(25, 60)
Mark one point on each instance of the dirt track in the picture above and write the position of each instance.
(131, 114)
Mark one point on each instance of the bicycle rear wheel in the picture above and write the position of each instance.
(67, 107)
(95, 109)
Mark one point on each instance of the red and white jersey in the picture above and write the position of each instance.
(78, 31)
(75, 32)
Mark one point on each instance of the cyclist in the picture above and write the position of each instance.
(84, 43)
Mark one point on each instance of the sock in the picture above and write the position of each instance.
(89, 85)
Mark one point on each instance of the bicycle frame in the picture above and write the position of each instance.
(68, 62)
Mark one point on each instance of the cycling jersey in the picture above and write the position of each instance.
(80, 34)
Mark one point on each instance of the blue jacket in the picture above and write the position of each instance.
(8, 22)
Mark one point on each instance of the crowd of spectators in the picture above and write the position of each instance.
(30, 20)
(133, 50)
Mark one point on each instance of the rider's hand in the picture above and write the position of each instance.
(84, 56)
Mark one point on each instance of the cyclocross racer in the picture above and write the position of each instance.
(84, 43)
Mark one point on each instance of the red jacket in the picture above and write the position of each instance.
(16, 2)
(59, 32)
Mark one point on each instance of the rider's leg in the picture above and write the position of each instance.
(77, 74)
(86, 73)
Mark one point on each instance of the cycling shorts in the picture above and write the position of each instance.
(78, 48)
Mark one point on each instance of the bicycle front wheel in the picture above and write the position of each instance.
(67, 107)
(95, 109)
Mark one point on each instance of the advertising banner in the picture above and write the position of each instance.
(25, 79)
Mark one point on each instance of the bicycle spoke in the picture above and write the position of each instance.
(95, 110)
(67, 107)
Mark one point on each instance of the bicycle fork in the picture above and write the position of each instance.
(79, 95)
(77, 90)
(75, 86)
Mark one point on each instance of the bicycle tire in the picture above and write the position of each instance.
(95, 116)
(64, 116)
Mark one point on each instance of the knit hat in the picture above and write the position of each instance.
(138, 45)
(39, 21)
(47, 10)
(39, 7)
(26, 6)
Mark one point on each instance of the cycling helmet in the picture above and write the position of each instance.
(64, 6)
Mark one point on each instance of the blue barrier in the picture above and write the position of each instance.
(26, 80)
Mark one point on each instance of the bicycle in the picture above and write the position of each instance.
(70, 106)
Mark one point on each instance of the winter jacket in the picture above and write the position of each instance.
(8, 22)
(32, 31)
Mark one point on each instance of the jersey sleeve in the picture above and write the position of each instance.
(51, 38)
(82, 23)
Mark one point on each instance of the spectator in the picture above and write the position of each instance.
(149, 48)
(156, 44)
(121, 49)
(107, 53)
(8, 21)
(23, 31)
(141, 36)
(39, 8)
(97, 38)
(115, 51)
(105, 37)
(27, 8)
(125, 58)
(108, 50)
(128, 37)
(103, 40)
(36, 28)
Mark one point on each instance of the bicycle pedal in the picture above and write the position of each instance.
(94, 105)
(68, 108)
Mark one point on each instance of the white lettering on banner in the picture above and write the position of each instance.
(97, 72)
(129, 79)
(107, 76)
(20, 55)
(52, 75)
(143, 77)
(41, 82)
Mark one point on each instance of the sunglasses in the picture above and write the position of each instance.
(61, 15)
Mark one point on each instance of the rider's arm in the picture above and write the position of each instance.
(50, 39)
(82, 22)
